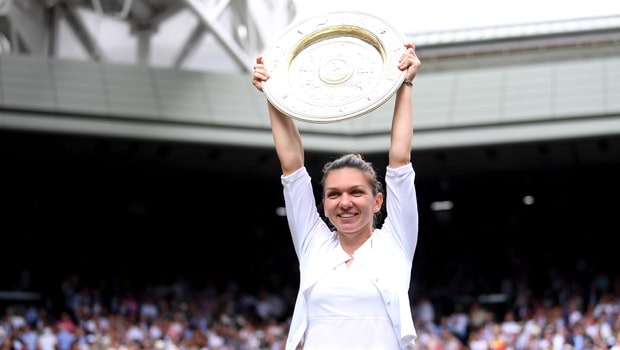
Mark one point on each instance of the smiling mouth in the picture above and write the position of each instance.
(346, 215)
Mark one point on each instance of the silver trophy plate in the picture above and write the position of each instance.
(334, 66)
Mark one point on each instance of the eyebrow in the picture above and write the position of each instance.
(354, 187)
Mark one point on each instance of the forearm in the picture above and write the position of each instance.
(402, 128)
(287, 141)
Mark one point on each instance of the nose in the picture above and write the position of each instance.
(346, 201)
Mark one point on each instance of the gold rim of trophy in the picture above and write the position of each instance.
(334, 66)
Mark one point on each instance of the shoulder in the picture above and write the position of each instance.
(295, 175)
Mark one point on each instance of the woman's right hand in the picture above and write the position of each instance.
(260, 74)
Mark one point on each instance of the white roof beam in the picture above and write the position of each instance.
(230, 45)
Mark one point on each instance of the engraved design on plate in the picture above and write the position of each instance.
(320, 78)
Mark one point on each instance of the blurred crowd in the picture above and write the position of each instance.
(567, 314)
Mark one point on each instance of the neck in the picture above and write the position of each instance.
(350, 243)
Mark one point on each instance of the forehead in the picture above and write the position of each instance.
(345, 177)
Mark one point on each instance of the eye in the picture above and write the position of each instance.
(331, 194)
(357, 193)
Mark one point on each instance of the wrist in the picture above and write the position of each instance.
(408, 82)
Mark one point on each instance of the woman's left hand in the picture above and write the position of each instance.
(409, 61)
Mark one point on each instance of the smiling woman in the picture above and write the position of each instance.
(352, 195)
(375, 262)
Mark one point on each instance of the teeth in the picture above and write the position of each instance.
(346, 215)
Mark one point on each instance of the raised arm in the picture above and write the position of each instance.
(402, 120)
(286, 137)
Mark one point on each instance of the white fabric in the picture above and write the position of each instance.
(335, 318)
(47, 340)
(385, 260)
